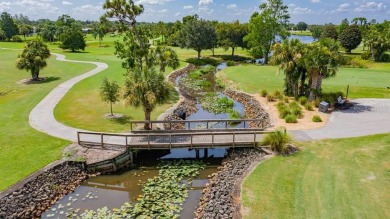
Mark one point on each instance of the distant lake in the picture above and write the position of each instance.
(304, 39)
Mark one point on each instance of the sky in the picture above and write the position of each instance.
(309, 11)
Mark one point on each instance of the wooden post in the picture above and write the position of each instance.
(226, 124)
(191, 141)
(189, 125)
(78, 138)
(101, 139)
(207, 125)
(126, 140)
(197, 153)
(346, 97)
(254, 140)
(149, 142)
(244, 124)
(206, 153)
(170, 141)
(212, 139)
(131, 126)
(234, 139)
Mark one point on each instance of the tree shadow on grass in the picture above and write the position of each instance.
(232, 58)
(123, 120)
(203, 61)
(39, 81)
(67, 51)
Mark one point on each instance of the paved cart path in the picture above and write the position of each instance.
(367, 117)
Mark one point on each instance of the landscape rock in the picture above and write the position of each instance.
(218, 199)
(39, 194)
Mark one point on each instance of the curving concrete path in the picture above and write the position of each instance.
(42, 116)
(366, 117)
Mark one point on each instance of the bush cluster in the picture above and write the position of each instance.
(289, 112)
(317, 119)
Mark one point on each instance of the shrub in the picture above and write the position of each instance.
(263, 93)
(286, 100)
(331, 97)
(277, 94)
(291, 119)
(366, 55)
(270, 97)
(281, 105)
(358, 63)
(294, 105)
(230, 63)
(16, 38)
(309, 106)
(316, 119)
(284, 112)
(316, 102)
(297, 112)
(277, 140)
(302, 100)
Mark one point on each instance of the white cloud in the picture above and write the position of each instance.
(188, 7)
(89, 9)
(315, 1)
(205, 2)
(67, 3)
(163, 11)
(34, 7)
(371, 7)
(5, 6)
(152, 2)
(343, 7)
(205, 11)
(294, 9)
(177, 14)
(231, 6)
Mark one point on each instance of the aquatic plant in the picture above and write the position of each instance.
(162, 195)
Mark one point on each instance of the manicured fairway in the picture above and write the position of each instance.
(364, 82)
(24, 150)
(347, 178)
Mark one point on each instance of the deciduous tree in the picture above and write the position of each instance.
(351, 38)
(8, 25)
(198, 35)
(231, 35)
(302, 26)
(272, 21)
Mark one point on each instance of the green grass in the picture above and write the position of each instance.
(301, 33)
(24, 150)
(347, 178)
(364, 83)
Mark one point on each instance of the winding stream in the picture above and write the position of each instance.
(112, 191)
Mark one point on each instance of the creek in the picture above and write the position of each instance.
(113, 190)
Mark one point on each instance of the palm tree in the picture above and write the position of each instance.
(33, 58)
(289, 56)
(321, 60)
(163, 57)
(147, 88)
(99, 30)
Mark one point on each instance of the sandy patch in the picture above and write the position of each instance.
(304, 123)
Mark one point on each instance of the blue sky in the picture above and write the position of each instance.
(309, 11)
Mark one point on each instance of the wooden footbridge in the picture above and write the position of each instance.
(207, 136)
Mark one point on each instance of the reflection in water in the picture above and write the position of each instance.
(112, 191)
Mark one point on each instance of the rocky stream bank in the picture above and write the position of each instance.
(42, 191)
(220, 199)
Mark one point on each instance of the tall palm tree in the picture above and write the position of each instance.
(321, 60)
(33, 58)
(147, 88)
(289, 56)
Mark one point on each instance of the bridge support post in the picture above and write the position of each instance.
(206, 153)
(197, 153)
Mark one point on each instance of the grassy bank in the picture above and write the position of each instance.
(24, 150)
(346, 178)
(364, 82)
(301, 33)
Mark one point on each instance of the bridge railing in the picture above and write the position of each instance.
(209, 124)
(172, 140)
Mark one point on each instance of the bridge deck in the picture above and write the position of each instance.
(173, 140)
